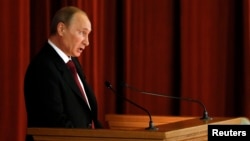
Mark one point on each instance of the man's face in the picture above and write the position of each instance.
(75, 37)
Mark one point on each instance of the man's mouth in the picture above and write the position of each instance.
(81, 49)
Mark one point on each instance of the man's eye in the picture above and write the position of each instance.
(83, 33)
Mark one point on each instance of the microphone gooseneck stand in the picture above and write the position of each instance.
(151, 126)
(205, 116)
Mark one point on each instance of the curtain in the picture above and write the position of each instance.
(14, 58)
(182, 48)
(192, 49)
(211, 55)
(149, 47)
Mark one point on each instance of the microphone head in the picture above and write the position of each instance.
(108, 84)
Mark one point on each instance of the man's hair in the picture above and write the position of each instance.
(63, 15)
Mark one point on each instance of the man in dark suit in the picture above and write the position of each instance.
(52, 96)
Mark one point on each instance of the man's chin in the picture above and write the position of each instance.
(78, 54)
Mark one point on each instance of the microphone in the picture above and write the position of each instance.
(151, 124)
(204, 117)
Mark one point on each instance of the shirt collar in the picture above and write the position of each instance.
(59, 52)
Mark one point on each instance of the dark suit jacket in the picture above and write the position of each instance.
(52, 98)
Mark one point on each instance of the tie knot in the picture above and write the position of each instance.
(71, 66)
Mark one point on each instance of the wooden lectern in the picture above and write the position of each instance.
(132, 128)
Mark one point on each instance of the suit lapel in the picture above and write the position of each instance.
(65, 72)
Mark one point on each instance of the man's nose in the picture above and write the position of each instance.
(86, 41)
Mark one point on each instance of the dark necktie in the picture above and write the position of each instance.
(73, 70)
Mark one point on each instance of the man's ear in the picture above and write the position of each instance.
(60, 28)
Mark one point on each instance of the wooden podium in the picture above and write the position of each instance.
(132, 128)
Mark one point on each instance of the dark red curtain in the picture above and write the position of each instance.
(187, 48)
(245, 106)
(150, 50)
(14, 58)
(211, 51)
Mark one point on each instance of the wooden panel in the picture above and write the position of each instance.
(67, 134)
(136, 122)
